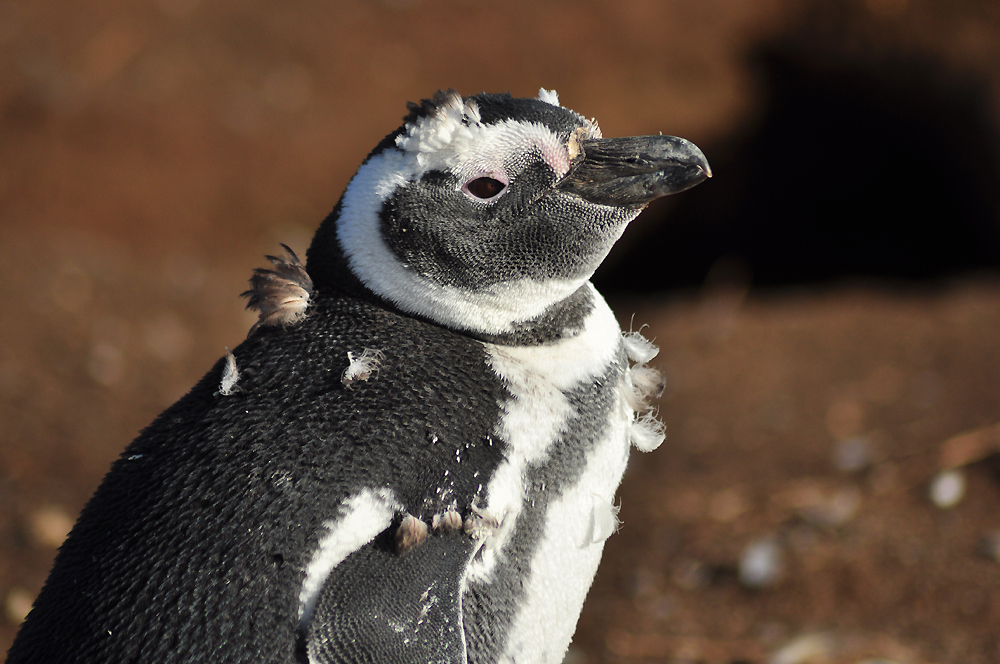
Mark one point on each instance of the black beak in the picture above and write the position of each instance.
(632, 171)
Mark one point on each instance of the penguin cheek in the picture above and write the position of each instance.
(577, 240)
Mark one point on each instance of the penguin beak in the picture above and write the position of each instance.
(632, 171)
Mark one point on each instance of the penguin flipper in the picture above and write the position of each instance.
(383, 606)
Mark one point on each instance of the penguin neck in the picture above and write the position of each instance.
(563, 320)
(330, 270)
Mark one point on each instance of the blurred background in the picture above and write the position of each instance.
(827, 306)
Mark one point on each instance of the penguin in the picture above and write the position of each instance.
(413, 456)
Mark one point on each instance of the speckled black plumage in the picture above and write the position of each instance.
(193, 548)
(416, 594)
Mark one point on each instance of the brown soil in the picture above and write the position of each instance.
(149, 155)
(818, 421)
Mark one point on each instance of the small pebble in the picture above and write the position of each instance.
(18, 604)
(726, 506)
(691, 574)
(845, 418)
(50, 526)
(644, 583)
(852, 454)
(106, 365)
(805, 649)
(772, 633)
(661, 607)
(761, 563)
(833, 510)
(167, 337)
(884, 479)
(990, 545)
(948, 488)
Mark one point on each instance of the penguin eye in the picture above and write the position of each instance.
(485, 187)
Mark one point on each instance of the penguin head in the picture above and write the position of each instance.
(482, 213)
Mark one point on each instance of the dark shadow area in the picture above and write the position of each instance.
(878, 167)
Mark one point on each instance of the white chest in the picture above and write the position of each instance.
(566, 427)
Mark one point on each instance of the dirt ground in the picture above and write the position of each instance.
(815, 500)
(813, 422)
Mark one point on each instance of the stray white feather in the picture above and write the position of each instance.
(361, 367)
(647, 433)
(230, 374)
(549, 96)
(603, 520)
(640, 349)
(641, 384)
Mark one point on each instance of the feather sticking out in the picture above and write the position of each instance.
(447, 522)
(361, 367)
(640, 349)
(444, 132)
(481, 524)
(647, 433)
(641, 384)
(411, 533)
(281, 295)
(604, 521)
(549, 96)
(230, 374)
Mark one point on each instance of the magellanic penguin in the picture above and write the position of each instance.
(413, 457)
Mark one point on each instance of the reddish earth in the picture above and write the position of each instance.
(816, 420)
(149, 156)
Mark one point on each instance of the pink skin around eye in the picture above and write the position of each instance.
(485, 187)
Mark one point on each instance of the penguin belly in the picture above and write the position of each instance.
(566, 433)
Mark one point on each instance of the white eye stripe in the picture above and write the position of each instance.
(473, 150)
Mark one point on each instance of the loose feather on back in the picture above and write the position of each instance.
(281, 295)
